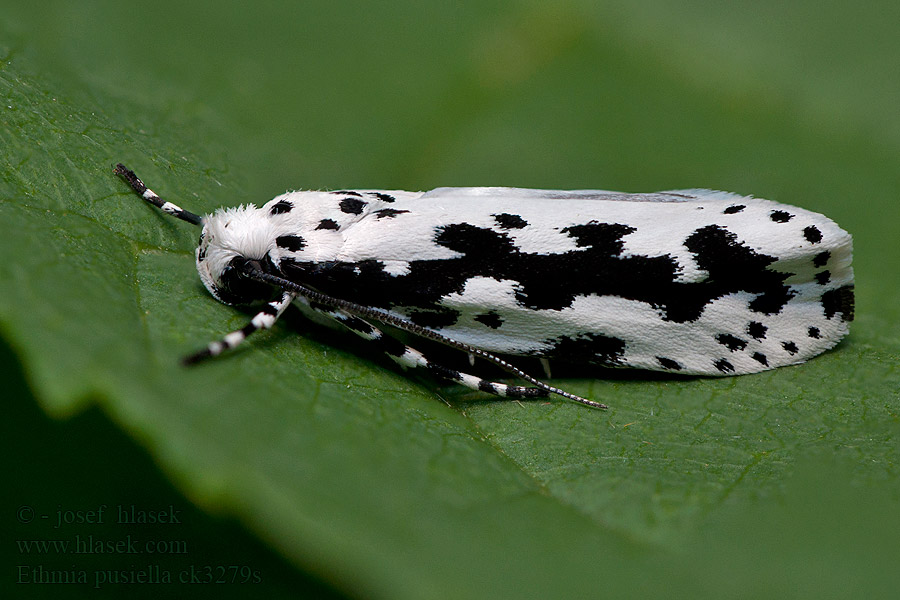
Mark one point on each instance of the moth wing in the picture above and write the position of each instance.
(773, 268)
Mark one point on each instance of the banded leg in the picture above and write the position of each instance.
(410, 357)
(264, 319)
(324, 303)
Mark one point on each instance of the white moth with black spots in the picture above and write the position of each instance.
(691, 282)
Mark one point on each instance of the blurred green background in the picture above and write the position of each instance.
(308, 460)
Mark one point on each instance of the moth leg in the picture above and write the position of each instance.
(410, 357)
(264, 319)
(324, 303)
(545, 363)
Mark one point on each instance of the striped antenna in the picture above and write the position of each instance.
(150, 196)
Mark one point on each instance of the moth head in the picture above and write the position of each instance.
(232, 240)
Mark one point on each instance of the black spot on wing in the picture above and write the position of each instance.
(382, 196)
(469, 239)
(327, 224)
(668, 363)
(510, 221)
(603, 237)
(490, 319)
(780, 216)
(760, 358)
(734, 266)
(552, 281)
(588, 347)
(821, 259)
(812, 234)
(771, 302)
(290, 242)
(756, 330)
(724, 366)
(352, 206)
(281, 207)
(839, 300)
(733, 209)
(346, 193)
(814, 333)
(823, 277)
(388, 213)
(731, 342)
(790, 347)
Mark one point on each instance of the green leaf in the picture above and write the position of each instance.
(390, 486)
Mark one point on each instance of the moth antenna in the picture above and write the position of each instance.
(379, 315)
(150, 196)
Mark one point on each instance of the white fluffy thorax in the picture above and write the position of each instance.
(231, 232)
(252, 232)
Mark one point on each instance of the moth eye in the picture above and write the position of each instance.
(236, 288)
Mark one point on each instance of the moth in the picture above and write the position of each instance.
(692, 281)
